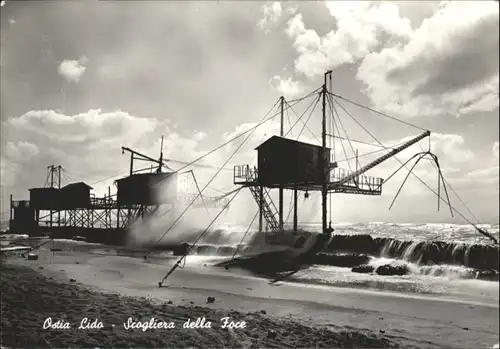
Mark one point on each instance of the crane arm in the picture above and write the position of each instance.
(145, 157)
(381, 159)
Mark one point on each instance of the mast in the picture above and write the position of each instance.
(280, 206)
(324, 162)
(160, 164)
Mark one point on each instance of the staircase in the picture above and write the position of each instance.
(269, 210)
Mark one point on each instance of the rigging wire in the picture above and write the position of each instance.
(372, 152)
(454, 192)
(357, 141)
(243, 238)
(308, 118)
(315, 102)
(377, 112)
(177, 264)
(297, 138)
(299, 118)
(289, 121)
(213, 178)
(193, 163)
(343, 128)
(341, 142)
(345, 152)
(252, 129)
(416, 176)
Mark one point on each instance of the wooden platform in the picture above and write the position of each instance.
(246, 176)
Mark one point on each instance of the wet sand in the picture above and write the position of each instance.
(362, 318)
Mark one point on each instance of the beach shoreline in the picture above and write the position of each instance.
(344, 317)
(30, 298)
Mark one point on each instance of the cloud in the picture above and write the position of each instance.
(88, 146)
(287, 87)
(72, 70)
(431, 74)
(412, 72)
(15, 157)
(360, 27)
(495, 149)
(86, 142)
(272, 12)
(21, 149)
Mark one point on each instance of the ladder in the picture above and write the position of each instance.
(269, 210)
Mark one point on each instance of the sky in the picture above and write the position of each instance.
(81, 79)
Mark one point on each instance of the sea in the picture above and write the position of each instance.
(454, 280)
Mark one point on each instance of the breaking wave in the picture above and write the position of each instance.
(466, 259)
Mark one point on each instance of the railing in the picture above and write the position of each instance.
(361, 181)
(244, 173)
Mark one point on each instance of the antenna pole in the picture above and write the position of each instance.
(357, 165)
(280, 210)
(51, 169)
(324, 161)
(161, 156)
(59, 187)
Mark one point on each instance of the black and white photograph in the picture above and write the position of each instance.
(249, 174)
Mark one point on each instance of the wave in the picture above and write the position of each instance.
(433, 258)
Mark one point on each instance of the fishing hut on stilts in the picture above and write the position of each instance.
(287, 164)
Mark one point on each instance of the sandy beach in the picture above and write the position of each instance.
(29, 298)
(78, 284)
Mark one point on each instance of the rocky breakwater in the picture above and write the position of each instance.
(483, 258)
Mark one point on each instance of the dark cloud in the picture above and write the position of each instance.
(471, 57)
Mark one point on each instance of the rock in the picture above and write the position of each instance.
(271, 334)
(347, 260)
(169, 302)
(267, 263)
(72, 280)
(77, 262)
(263, 312)
(363, 243)
(389, 269)
(191, 302)
(381, 331)
(364, 269)
(210, 299)
(32, 257)
(41, 268)
(490, 275)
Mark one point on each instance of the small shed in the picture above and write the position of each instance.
(147, 189)
(23, 218)
(283, 161)
(44, 198)
(75, 195)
